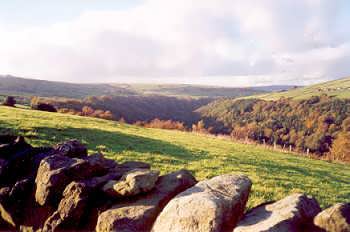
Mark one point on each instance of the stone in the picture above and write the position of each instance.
(6, 212)
(3, 166)
(213, 205)
(139, 213)
(74, 203)
(12, 201)
(70, 208)
(292, 213)
(12, 146)
(98, 161)
(71, 148)
(334, 219)
(57, 171)
(14, 160)
(132, 183)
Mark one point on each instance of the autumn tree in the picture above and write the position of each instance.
(341, 146)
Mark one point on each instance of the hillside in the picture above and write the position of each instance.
(195, 90)
(136, 108)
(337, 88)
(274, 174)
(30, 87)
(10, 85)
(308, 125)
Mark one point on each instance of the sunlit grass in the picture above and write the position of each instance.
(338, 88)
(274, 174)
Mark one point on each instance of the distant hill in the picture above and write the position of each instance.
(338, 88)
(30, 87)
(276, 88)
(10, 85)
(191, 90)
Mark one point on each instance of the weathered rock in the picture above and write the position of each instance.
(99, 162)
(56, 172)
(213, 205)
(6, 211)
(14, 161)
(70, 208)
(6, 139)
(138, 214)
(334, 219)
(3, 166)
(71, 148)
(132, 183)
(12, 146)
(289, 214)
(74, 202)
(12, 201)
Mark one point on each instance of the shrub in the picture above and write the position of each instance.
(35, 104)
(45, 107)
(9, 101)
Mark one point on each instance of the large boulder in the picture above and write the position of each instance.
(132, 183)
(293, 213)
(3, 166)
(334, 219)
(57, 171)
(75, 202)
(11, 145)
(14, 160)
(213, 205)
(12, 201)
(7, 213)
(139, 213)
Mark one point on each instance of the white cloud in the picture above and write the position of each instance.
(216, 42)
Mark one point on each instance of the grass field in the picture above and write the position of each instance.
(274, 174)
(338, 88)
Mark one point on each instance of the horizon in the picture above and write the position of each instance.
(208, 43)
(166, 83)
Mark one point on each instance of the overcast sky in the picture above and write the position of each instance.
(216, 42)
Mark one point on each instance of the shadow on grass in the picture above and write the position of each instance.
(107, 141)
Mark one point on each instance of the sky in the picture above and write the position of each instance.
(214, 42)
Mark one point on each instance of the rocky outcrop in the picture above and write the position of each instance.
(334, 219)
(139, 214)
(62, 188)
(210, 206)
(293, 213)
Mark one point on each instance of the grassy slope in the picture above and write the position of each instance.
(339, 88)
(274, 174)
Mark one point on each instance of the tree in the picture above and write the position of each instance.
(9, 101)
(341, 146)
(87, 111)
(34, 101)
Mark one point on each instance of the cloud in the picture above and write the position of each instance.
(221, 42)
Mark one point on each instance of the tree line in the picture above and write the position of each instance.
(320, 124)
